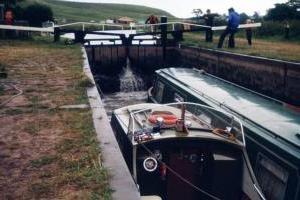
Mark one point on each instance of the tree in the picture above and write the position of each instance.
(243, 18)
(10, 3)
(37, 13)
(197, 12)
(284, 11)
(256, 16)
(294, 3)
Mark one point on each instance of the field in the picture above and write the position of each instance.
(271, 47)
(73, 11)
(47, 151)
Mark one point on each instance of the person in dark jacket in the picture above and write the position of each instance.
(9, 17)
(286, 30)
(152, 19)
(232, 27)
(249, 32)
(209, 21)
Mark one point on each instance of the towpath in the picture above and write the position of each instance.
(46, 150)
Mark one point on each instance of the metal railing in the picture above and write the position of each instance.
(83, 25)
(171, 26)
(190, 25)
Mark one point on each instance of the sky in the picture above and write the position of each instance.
(183, 8)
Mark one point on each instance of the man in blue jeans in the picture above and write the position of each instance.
(232, 27)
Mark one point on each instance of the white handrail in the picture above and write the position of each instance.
(27, 28)
(172, 23)
(252, 25)
(90, 23)
(215, 28)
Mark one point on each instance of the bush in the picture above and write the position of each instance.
(276, 28)
(37, 13)
(18, 12)
(270, 28)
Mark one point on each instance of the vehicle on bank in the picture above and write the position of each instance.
(185, 151)
(272, 128)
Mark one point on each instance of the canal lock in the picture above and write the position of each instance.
(123, 79)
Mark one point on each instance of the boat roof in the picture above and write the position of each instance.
(274, 117)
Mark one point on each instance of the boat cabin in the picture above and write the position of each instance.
(185, 151)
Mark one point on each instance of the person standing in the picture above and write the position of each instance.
(209, 21)
(249, 32)
(152, 19)
(286, 30)
(9, 20)
(9, 17)
(232, 27)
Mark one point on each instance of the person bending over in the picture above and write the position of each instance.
(231, 29)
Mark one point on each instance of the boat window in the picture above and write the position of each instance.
(270, 175)
(215, 119)
(159, 91)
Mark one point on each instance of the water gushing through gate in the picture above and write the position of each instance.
(132, 91)
(130, 81)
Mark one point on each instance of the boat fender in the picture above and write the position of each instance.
(168, 117)
(150, 164)
(163, 171)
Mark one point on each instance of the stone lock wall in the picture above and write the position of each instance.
(275, 78)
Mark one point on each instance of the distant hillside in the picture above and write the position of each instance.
(75, 11)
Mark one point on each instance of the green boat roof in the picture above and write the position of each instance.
(273, 116)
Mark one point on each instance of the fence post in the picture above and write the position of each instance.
(79, 36)
(163, 28)
(56, 34)
(93, 56)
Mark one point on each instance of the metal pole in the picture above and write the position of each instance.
(56, 34)
(163, 28)
(93, 56)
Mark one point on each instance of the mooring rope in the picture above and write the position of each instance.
(11, 98)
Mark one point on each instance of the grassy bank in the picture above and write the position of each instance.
(97, 11)
(47, 152)
(269, 47)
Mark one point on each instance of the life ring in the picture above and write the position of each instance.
(169, 118)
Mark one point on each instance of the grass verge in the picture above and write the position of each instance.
(47, 152)
(269, 47)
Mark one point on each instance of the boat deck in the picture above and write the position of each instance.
(198, 129)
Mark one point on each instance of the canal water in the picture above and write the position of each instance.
(133, 90)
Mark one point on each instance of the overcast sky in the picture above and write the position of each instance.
(183, 8)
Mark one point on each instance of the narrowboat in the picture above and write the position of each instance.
(185, 151)
(272, 127)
